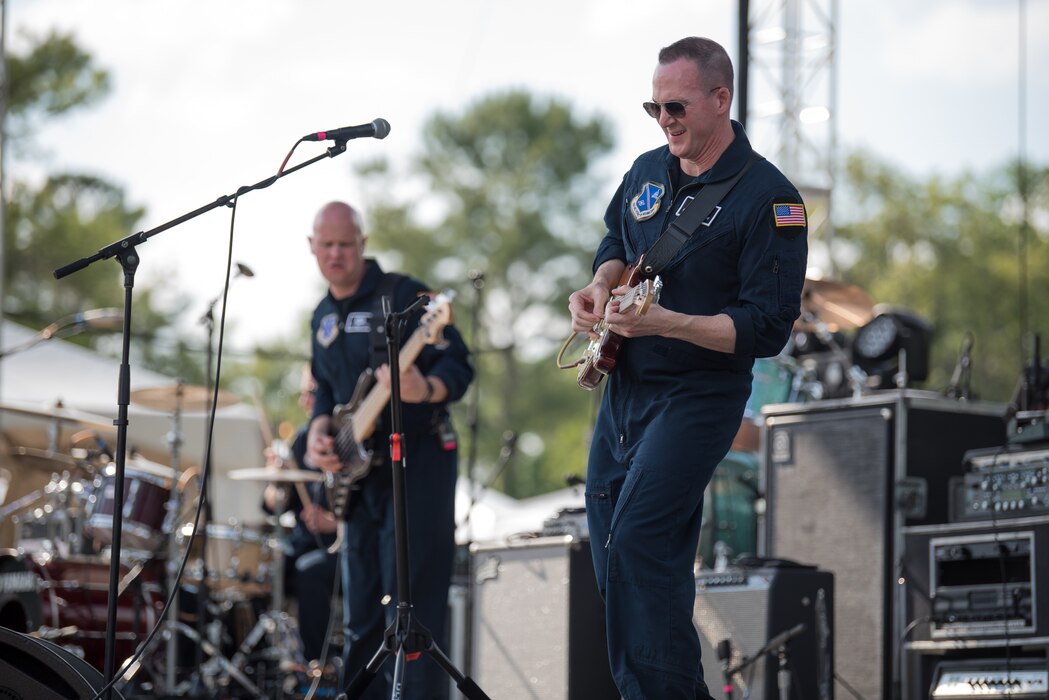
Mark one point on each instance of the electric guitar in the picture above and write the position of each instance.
(355, 422)
(600, 356)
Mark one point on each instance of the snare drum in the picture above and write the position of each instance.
(239, 560)
(147, 488)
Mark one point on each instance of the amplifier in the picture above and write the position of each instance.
(990, 678)
(538, 624)
(1004, 482)
(977, 581)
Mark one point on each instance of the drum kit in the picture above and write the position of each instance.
(54, 576)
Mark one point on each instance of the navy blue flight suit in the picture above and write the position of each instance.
(671, 408)
(341, 352)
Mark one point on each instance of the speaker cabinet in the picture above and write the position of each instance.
(841, 479)
(33, 669)
(751, 607)
(538, 628)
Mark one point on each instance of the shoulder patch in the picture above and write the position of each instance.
(328, 329)
(645, 203)
(788, 215)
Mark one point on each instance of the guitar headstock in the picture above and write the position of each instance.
(438, 315)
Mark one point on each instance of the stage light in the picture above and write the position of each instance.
(877, 346)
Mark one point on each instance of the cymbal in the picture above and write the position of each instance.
(181, 397)
(837, 304)
(58, 413)
(272, 475)
(45, 460)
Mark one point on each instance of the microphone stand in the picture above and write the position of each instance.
(777, 644)
(405, 635)
(126, 253)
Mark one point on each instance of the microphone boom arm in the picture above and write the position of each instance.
(114, 249)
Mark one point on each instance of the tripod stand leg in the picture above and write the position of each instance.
(465, 684)
(216, 656)
(364, 677)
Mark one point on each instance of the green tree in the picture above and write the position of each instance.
(949, 250)
(507, 188)
(47, 224)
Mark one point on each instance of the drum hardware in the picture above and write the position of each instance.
(216, 665)
(857, 379)
(825, 369)
(50, 520)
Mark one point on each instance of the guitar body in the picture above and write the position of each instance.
(599, 359)
(356, 462)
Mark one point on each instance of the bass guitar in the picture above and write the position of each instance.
(354, 423)
(600, 356)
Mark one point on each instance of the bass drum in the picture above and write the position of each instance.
(729, 516)
(74, 593)
(20, 608)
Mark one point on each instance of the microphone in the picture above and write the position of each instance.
(784, 637)
(379, 129)
(959, 388)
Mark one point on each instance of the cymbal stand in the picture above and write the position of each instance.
(173, 507)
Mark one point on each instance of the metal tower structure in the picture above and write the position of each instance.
(791, 102)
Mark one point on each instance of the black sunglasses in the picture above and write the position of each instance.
(674, 108)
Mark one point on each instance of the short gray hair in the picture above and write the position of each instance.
(710, 57)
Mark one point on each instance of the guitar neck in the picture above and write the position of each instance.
(366, 415)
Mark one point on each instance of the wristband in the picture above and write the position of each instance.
(429, 391)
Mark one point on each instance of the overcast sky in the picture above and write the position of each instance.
(209, 95)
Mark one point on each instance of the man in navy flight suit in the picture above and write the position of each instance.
(343, 348)
(675, 398)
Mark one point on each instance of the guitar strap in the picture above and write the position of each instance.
(685, 225)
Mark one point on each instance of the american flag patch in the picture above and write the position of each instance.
(788, 214)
